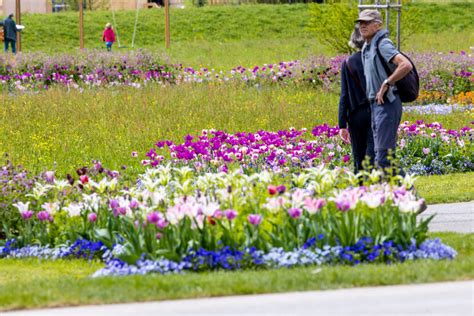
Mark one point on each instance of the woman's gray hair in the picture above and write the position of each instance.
(356, 41)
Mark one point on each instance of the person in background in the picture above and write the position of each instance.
(108, 37)
(354, 107)
(9, 33)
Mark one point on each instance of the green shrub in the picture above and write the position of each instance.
(332, 24)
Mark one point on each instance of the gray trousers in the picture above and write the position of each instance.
(385, 120)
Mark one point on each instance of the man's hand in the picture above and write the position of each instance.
(380, 94)
(346, 137)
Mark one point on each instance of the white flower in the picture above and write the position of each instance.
(22, 207)
(73, 209)
(408, 206)
(91, 201)
(210, 208)
(61, 184)
(50, 207)
(39, 190)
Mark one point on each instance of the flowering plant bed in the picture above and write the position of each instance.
(442, 76)
(425, 148)
(174, 219)
(246, 200)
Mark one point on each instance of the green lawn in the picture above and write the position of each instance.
(64, 130)
(447, 188)
(34, 284)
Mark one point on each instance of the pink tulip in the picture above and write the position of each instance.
(272, 189)
(92, 217)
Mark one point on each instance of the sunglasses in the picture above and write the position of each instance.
(364, 23)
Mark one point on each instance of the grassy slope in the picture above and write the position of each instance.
(29, 284)
(231, 35)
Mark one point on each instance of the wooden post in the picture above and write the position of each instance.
(18, 21)
(167, 24)
(81, 23)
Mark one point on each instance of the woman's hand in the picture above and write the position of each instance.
(346, 137)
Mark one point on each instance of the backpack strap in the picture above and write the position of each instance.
(384, 62)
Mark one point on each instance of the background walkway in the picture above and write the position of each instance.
(451, 298)
(453, 217)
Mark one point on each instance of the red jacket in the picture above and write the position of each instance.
(109, 36)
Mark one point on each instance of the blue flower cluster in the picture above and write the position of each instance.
(116, 267)
(224, 258)
(429, 249)
(81, 248)
(364, 251)
(278, 258)
(436, 166)
(440, 109)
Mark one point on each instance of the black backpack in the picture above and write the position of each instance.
(409, 86)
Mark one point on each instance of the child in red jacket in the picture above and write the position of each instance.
(108, 37)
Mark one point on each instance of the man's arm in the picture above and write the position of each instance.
(404, 66)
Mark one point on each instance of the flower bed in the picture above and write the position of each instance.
(424, 148)
(227, 259)
(222, 201)
(443, 76)
(176, 219)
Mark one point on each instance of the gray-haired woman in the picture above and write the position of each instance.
(354, 107)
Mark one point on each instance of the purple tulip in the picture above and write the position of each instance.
(113, 204)
(133, 204)
(120, 211)
(281, 189)
(26, 214)
(295, 212)
(49, 176)
(161, 224)
(44, 216)
(230, 214)
(343, 205)
(153, 217)
(254, 219)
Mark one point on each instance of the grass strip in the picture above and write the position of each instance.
(35, 284)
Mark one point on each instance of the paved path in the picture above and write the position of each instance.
(454, 217)
(451, 298)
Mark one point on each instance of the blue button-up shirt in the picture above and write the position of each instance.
(374, 71)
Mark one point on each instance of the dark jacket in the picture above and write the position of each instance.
(9, 29)
(352, 88)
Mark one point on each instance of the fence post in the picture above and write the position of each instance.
(81, 23)
(18, 21)
(167, 24)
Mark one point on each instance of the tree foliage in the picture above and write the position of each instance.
(332, 24)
